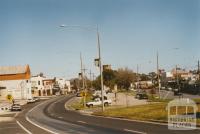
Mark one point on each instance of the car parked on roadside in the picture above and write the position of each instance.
(98, 102)
(79, 94)
(16, 107)
(141, 96)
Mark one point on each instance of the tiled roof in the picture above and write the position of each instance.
(5, 70)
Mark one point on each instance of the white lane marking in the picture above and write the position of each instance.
(37, 106)
(133, 131)
(23, 127)
(83, 122)
(37, 124)
(60, 117)
(40, 126)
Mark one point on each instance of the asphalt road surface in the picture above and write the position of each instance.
(51, 117)
(73, 122)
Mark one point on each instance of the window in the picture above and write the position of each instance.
(38, 82)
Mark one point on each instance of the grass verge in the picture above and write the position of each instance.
(149, 112)
(80, 105)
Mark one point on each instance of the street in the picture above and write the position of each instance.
(51, 117)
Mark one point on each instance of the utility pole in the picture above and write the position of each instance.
(137, 77)
(85, 78)
(177, 79)
(93, 77)
(83, 83)
(158, 74)
(100, 70)
(198, 70)
(90, 78)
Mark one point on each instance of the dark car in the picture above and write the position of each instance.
(15, 107)
(79, 94)
(141, 96)
(177, 93)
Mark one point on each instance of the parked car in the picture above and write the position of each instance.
(79, 94)
(31, 100)
(177, 92)
(141, 96)
(98, 102)
(15, 107)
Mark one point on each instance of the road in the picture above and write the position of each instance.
(170, 95)
(51, 117)
(93, 124)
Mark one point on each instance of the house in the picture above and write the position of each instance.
(48, 86)
(64, 85)
(144, 84)
(15, 81)
(185, 75)
(37, 85)
(107, 67)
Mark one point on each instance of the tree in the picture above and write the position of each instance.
(154, 78)
(125, 77)
(109, 77)
(144, 77)
(97, 83)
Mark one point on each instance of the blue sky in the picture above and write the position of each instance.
(131, 32)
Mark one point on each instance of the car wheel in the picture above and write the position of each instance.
(138, 96)
(106, 104)
(90, 105)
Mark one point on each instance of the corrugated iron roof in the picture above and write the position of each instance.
(5, 70)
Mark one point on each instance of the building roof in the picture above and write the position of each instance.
(14, 72)
(6, 70)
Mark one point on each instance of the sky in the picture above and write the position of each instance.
(131, 33)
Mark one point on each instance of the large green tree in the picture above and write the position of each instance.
(109, 77)
(125, 77)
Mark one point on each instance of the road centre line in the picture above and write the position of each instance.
(82, 122)
(40, 126)
(60, 117)
(133, 131)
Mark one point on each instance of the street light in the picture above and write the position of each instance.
(98, 61)
(158, 74)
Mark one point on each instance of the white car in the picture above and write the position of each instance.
(98, 102)
(36, 98)
(15, 107)
(30, 100)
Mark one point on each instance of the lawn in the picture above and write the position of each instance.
(150, 112)
(80, 105)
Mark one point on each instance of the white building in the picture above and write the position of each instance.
(64, 85)
(37, 85)
(14, 81)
